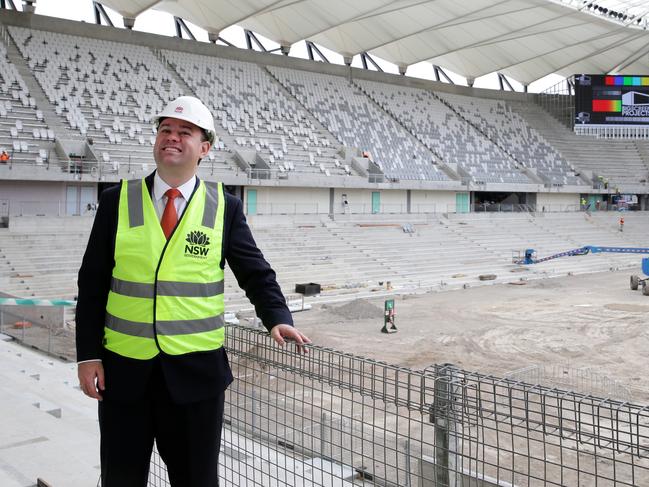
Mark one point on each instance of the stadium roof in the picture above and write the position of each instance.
(524, 39)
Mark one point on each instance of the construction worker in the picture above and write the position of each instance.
(150, 308)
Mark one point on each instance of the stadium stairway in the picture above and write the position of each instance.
(521, 233)
(433, 256)
(320, 254)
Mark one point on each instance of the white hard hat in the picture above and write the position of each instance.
(190, 109)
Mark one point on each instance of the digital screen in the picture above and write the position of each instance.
(611, 100)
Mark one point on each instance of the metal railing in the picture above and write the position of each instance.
(331, 419)
(505, 208)
(613, 131)
(559, 101)
(45, 328)
(579, 379)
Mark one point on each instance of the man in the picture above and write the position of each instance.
(150, 308)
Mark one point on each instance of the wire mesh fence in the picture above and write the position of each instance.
(579, 379)
(334, 419)
(42, 327)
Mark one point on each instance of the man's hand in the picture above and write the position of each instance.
(91, 378)
(281, 332)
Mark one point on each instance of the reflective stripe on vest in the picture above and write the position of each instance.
(166, 295)
(166, 288)
(162, 327)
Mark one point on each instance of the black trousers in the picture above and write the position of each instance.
(188, 438)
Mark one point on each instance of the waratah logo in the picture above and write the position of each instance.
(198, 238)
(198, 244)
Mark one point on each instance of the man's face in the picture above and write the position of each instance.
(179, 145)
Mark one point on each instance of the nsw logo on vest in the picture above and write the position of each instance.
(197, 246)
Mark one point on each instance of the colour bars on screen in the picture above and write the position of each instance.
(607, 105)
(626, 80)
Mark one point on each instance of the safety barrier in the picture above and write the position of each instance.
(613, 131)
(330, 418)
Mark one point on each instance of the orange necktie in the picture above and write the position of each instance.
(170, 216)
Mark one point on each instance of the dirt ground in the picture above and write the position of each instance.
(589, 321)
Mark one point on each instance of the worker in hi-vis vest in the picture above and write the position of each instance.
(150, 326)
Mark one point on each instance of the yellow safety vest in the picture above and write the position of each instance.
(166, 295)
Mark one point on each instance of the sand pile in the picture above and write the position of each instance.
(355, 310)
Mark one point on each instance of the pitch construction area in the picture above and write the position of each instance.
(588, 332)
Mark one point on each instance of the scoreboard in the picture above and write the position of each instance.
(611, 100)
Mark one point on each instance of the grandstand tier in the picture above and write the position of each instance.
(355, 257)
(328, 146)
(79, 99)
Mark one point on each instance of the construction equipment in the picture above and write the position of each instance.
(530, 254)
(637, 281)
(388, 317)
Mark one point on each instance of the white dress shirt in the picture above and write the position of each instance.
(160, 187)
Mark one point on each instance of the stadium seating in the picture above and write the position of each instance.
(23, 134)
(106, 91)
(445, 133)
(621, 162)
(254, 109)
(509, 131)
(357, 122)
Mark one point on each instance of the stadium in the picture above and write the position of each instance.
(496, 236)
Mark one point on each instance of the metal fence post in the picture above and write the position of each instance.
(443, 418)
(253, 423)
(323, 432)
(408, 467)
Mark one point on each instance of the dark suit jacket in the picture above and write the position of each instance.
(189, 377)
